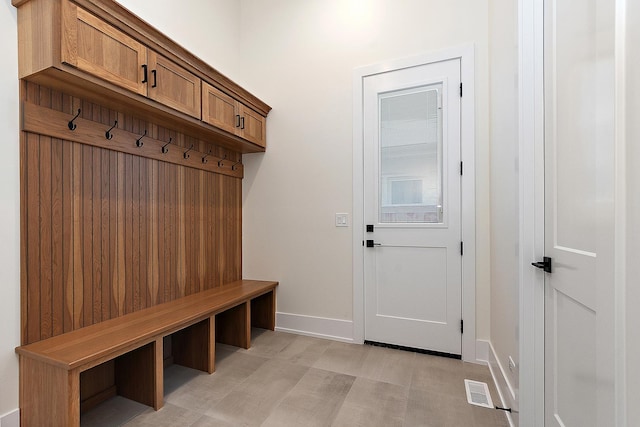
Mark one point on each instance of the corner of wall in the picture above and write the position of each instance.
(10, 218)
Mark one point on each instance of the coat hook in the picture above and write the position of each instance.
(72, 126)
(108, 133)
(165, 150)
(220, 162)
(233, 166)
(204, 158)
(139, 142)
(186, 153)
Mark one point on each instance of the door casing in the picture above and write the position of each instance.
(467, 136)
(531, 221)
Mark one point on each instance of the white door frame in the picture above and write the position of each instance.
(467, 137)
(531, 228)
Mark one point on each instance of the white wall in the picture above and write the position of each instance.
(210, 29)
(299, 57)
(503, 68)
(9, 212)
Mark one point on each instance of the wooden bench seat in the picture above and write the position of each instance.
(50, 369)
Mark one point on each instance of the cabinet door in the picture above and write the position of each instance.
(99, 49)
(219, 109)
(173, 86)
(252, 126)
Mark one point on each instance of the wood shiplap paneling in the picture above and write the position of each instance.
(106, 233)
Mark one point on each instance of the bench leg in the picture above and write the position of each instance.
(139, 374)
(212, 344)
(195, 346)
(49, 395)
(158, 398)
(233, 326)
(263, 311)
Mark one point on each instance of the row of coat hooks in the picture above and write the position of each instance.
(165, 148)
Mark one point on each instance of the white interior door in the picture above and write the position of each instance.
(413, 269)
(579, 112)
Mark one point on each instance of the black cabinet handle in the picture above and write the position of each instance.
(144, 73)
(155, 77)
(237, 120)
(242, 121)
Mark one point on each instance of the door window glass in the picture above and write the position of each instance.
(410, 144)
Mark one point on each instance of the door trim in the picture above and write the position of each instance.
(468, 208)
(531, 221)
(621, 221)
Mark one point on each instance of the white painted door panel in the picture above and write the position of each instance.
(412, 198)
(579, 111)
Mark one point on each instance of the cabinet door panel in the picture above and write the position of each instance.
(97, 48)
(253, 126)
(173, 86)
(219, 109)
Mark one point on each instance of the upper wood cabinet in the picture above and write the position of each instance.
(172, 85)
(220, 109)
(92, 45)
(252, 126)
(98, 50)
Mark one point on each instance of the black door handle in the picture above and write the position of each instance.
(371, 244)
(155, 78)
(545, 264)
(144, 73)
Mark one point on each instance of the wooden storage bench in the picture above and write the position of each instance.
(50, 370)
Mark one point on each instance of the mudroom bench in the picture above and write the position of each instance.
(51, 369)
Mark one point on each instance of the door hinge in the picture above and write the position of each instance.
(461, 169)
(461, 326)
(461, 248)
(460, 89)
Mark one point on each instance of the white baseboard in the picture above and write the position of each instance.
(506, 391)
(10, 419)
(321, 327)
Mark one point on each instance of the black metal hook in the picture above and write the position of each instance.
(220, 162)
(108, 133)
(73, 126)
(165, 150)
(186, 153)
(139, 142)
(233, 166)
(204, 158)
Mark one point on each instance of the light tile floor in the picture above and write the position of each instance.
(293, 380)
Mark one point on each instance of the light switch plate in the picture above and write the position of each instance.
(342, 220)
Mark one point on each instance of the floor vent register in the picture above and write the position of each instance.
(478, 393)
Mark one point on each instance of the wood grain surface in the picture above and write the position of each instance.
(105, 232)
